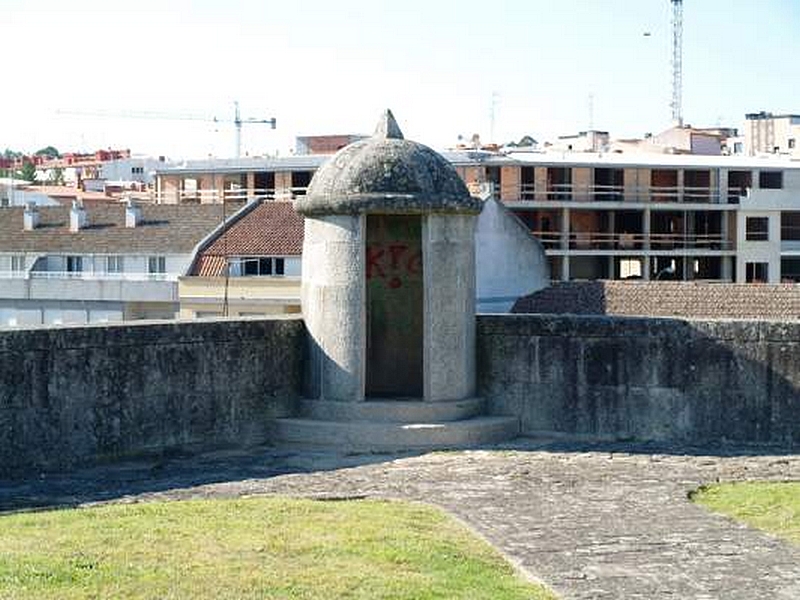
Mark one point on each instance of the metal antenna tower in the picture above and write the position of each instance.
(492, 116)
(677, 62)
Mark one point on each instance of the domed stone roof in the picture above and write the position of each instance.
(386, 174)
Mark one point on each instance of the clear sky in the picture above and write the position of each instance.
(327, 66)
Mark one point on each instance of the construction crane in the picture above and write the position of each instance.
(237, 120)
(677, 63)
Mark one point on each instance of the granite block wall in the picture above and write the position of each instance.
(644, 378)
(75, 395)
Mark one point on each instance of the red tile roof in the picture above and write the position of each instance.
(270, 229)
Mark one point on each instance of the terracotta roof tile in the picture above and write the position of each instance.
(270, 229)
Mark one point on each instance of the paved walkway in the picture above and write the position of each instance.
(591, 521)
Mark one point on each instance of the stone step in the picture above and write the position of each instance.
(392, 411)
(374, 437)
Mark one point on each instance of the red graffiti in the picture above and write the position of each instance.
(396, 251)
(374, 268)
(394, 262)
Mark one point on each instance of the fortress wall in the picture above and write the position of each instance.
(74, 395)
(660, 379)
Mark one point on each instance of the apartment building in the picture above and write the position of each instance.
(238, 179)
(766, 133)
(599, 216)
(99, 263)
(249, 268)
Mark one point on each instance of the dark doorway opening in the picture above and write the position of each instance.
(394, 306)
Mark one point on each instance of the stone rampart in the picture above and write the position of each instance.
(76, 395)
(71, 396)
(644, 379)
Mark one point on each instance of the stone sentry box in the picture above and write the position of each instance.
(388, 288)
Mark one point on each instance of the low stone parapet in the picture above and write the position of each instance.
(694, 381)
(75, 395)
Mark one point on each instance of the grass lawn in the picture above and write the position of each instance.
(773, 507)
(251, 548)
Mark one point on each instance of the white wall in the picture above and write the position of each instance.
(292, 266)
(23, 313)
(509, 261)
(122, 170)
(759, 252)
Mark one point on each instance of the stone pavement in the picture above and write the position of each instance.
(590, 520)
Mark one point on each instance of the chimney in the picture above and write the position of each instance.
(30, 218)
(133, 214)
(77, 216)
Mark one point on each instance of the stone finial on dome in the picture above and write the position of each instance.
(387, 173)
(387, 128)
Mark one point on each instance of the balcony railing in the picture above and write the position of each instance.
(653, 241)
(218, 196)
(560, 192)
(549, 239)
(102, 276)
(597, 240)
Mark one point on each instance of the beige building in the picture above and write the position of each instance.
(224, 180)
(602, 216)
(766, 133)
(249, 268)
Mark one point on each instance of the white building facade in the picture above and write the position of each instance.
(75, 266)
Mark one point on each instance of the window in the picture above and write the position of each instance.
(770, 180)
(696, 185)
(756, 272)
(156, 264)
(17, 264)
(738, 184)
(256, 266)
(300, 181)
(559, 183)
(756, 229)
(74, 264)
(114, 264)
(790, 226)
(790, 270)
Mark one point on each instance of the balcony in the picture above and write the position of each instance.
(581, 240)
(549, 239)
(97, 276)
(219, 196)
(86, 286)
(570, 192)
